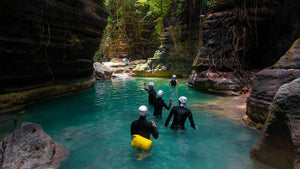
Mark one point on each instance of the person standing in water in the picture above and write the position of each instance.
(173, 81)
(180, 113)
(160, 103)
(151, 92)
(142, 126)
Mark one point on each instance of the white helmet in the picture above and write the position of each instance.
(182, 100)
(174, 76)
(142, 110)
(160, 93)
(151, 84)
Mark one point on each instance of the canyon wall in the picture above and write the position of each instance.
(45, 44)
(242, 36)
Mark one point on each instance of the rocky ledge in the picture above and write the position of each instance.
(266, 83)
(279, 143)
(222, 83)
(30, 147)
(31, 94)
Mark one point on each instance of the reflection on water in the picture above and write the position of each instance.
(95, 127)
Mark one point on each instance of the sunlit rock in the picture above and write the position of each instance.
(101, 72)
(120, 66)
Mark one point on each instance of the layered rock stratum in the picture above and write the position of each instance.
(47, 44)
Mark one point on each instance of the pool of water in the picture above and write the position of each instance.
(95, 127)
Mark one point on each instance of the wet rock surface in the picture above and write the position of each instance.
(30, 147)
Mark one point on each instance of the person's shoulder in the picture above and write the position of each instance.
(188, 109)
(162, 100)
(148, 123)
(133, 122)
(175, 107)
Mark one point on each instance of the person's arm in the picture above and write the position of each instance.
(132, 132)
(170, 103)
(192, 120)
(169, 117)
(154, 131)
(148, 91)
(176, 82)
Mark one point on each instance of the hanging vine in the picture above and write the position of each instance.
(234, 25)
(45, 29)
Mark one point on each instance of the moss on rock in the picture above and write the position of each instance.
(15, 100)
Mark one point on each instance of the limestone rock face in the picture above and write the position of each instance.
(279, 143)
(178, 42)
(239, 36)
(44, 43)
(291, 59)
(224, 83)
(101, 72)
(30, 147)
(267, 82)
(218, 55)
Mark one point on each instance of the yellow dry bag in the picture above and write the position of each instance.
(141, 142)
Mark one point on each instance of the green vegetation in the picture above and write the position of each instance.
(136, 29)
(132, 25)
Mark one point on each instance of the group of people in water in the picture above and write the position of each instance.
(180, 113)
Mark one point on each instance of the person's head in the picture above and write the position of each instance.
(143, 110)
(151, 85)
(182, 101)
(174, 77)
(160, 94)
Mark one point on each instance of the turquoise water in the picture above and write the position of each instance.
(95, 127)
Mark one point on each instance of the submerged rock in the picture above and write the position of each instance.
(30, 147)
(279, 143)
(266, 83)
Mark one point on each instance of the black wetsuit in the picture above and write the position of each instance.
(158, 106)
(180, 115)
(152, 96)
(173, 82)
(144, 128)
